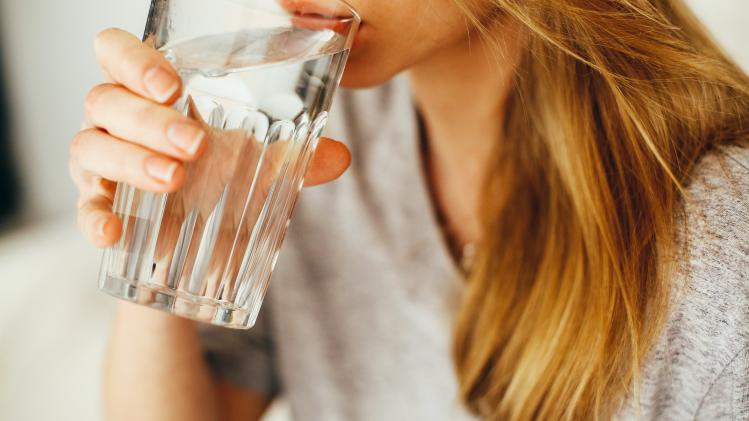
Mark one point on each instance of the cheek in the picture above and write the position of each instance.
(395, 38)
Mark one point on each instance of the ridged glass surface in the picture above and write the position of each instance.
(208, 250)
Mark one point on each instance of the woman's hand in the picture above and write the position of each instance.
(131, 134)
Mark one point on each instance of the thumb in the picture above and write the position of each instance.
(330, 161)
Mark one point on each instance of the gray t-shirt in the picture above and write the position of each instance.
(357, 323)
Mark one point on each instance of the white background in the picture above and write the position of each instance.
(52, 320)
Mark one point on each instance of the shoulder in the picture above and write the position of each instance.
(715, 226)
(713, 230)
(698, 367)
(711, 322)
(718, 192)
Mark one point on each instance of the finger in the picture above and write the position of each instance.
(330, 161)
(125, 115)
(97, 222)
(137, 66)
(90, 184)
(114, 159)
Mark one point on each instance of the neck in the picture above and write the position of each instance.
(460, 93)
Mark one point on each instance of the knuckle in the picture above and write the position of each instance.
(84, 210)
(80, 203)
(75, 145)
(79, 144)
(94, 96)
(102, 37)
(79, 139)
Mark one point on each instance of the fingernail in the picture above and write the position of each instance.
(186, 135)
(161, 169)
(102, 227)
(160, 84)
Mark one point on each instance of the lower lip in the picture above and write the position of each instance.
(317, 23)
(310, 14)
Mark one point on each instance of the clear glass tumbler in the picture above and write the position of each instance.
(260, 76)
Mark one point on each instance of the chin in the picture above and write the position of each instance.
(353, 79)
(365, 72)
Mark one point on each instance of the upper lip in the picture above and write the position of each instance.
(316, 9)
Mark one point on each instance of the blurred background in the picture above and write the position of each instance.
(53, 321)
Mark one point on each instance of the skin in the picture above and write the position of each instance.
(154, 369)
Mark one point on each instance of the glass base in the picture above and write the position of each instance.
(178, 303)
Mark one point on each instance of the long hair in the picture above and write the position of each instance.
(613, 104)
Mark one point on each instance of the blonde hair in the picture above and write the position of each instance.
(614, 103)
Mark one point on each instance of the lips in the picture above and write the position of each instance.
(316, 23)
(317, 9)
(319, 15)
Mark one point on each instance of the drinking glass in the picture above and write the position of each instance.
(260, 76)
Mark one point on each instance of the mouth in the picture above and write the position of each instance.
(317, 15)
(326, 10)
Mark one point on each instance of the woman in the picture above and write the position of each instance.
(546, 218)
